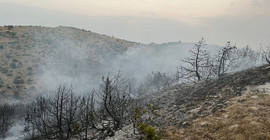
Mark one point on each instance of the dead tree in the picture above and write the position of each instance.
(54, 116)
(198, 66)
(62, 115)
(7, 119)
(114, 94)
(88, 117)
(245, 58)
(157, 80)
(266, 55)
(224, 59)
(267, 59)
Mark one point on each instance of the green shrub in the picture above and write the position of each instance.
(29, 81)
(25, 54)
(4, 70)
(29, 73)
(148, 132)
(13, 35)
(14, 60)
(18, 47)
(18, 80)
(9, 27)
(1, 82)
(13, 65)
(29, 68)
(20, 65)
(9, 73)
(8, 56)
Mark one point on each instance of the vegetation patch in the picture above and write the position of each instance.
(29, 81)
(247, 119)
(1, 82)
(18, 80)
(13, 65)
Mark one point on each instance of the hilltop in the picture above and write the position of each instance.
(25, 51)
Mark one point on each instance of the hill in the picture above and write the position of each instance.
(183, 105)
(25, 51)
(234, 106)
(35, 58)
(211, 109)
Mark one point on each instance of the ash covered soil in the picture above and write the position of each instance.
(183, 109)
(180, 105)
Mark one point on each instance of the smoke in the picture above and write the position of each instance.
(135, 64)
(15, 133)
(71, 65)
(246, 58)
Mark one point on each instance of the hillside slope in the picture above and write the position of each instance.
(179, 105)
(234, 106)
(25, 51)
(247, 117)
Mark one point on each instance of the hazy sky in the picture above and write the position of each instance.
(240, 21)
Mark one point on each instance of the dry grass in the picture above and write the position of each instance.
(39, 48)
(248, 118)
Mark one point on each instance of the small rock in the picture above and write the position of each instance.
(233, 126)
(254, 97)
(204, 123)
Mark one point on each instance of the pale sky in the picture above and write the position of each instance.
(241, 21)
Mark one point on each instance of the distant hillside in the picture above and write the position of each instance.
(34, 58)
(26, 50)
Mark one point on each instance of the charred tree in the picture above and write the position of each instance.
(54, 116)
(114, 94)
(7, 119)
(198, 66)
(224, 59)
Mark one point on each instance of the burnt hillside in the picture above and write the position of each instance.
(180, 105)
